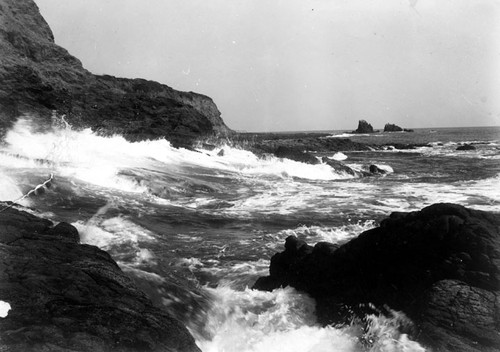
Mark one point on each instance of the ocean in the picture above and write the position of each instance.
(196, 228)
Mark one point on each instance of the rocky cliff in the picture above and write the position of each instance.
(40, 78)
(66, 296)
(440, 266)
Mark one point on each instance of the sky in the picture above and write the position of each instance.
(301, 65)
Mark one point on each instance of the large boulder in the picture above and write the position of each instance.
(39, 78)
(67, 296)
(440, 266)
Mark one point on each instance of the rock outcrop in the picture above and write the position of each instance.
(389, 127)
(67, 296)
(466, 147)
(39, 78)
(364, 127)
(440, 265)
(374, 169)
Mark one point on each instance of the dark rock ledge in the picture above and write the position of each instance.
(67, 296)
(440, 266)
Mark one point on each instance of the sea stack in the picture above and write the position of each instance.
(389, 127)
(363, 127)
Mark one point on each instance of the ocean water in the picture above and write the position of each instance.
(195, 229)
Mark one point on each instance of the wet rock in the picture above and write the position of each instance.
(374, 169)
(466, 147)
(339, 166)
(67, 296)
(296, 154)
(440, 266)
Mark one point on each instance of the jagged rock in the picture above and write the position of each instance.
(363, 127)
(440, 266)
(39, 78)
(389, 127)
(67, 296)
(466, 147)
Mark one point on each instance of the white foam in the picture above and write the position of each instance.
(347, 135)
(119, 236)
(4, 309)
(384, 335)
(284, 320)
(386, 168)
(339, 156)
(191, 263)
(101, 160)
(480, 194)
(314, 234)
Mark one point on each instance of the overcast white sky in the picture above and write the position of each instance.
(288, 65)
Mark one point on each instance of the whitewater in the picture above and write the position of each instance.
(196, 228)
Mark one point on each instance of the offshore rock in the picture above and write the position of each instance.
(440, 266)
(389, 127)
(363, 127)
(67, 296)
(39, 79)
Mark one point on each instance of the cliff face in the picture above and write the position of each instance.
(39, 78)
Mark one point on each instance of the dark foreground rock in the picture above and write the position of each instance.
(67, 296)
(440, 265)
(39, 78)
